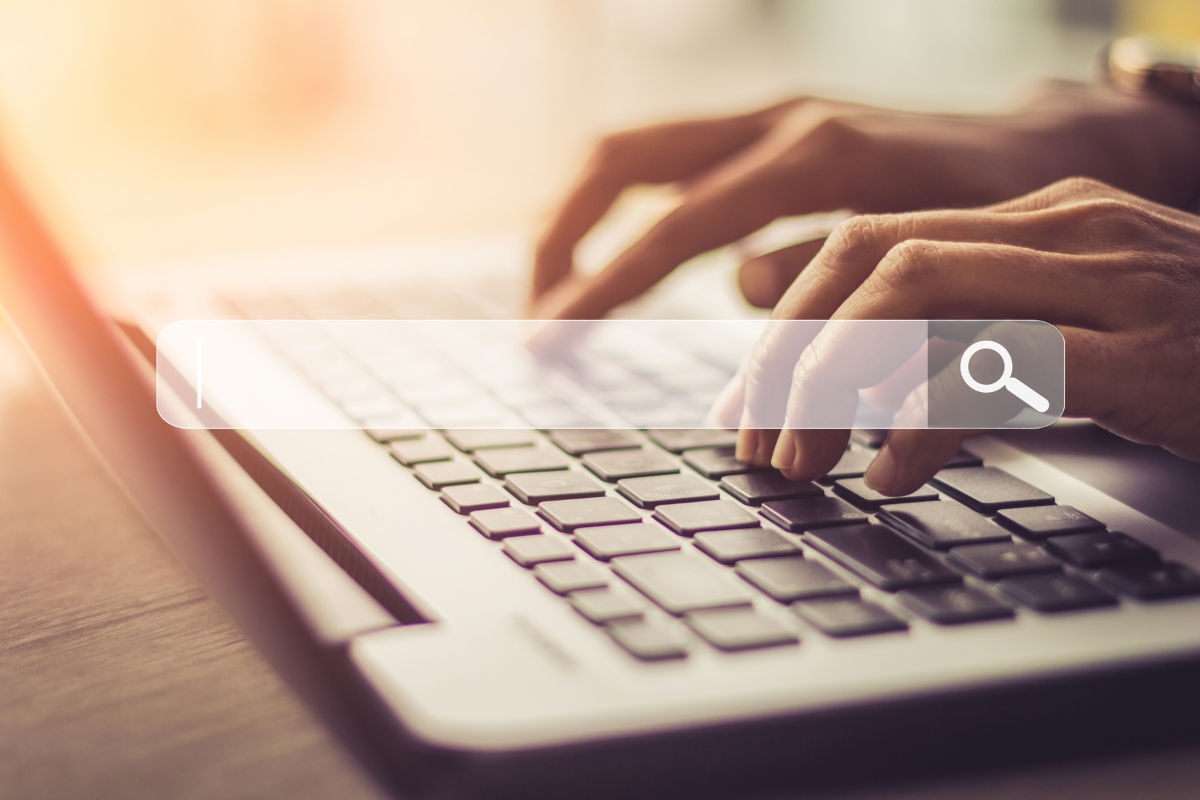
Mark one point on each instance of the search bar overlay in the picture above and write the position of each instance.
(496, 374)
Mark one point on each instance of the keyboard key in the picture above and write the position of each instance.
(529, 551)
(421, 451)
(532, 488)
(873, 438)
(564, 577)
(1050, 592)
(963, 459)
(847, 616)
(709, 515)
(473, 497)
(739, 628)
(953, 605)
(995, 561)
(729, 547)
(857, 492)
(852, 464)
(756, 488)
(793, 578)
(717, 462)
(617, 465)
(567, 515)
(385, 435)
(581, 442)
(1152, 581)
(677, 441)
(606, 605)
(882, 556)
(989, 489)
(498, 523)
(649, 641)
(681, 582)
(609, 541)
(658, 489)
(437, 475)
(816, 512)
(502, 463)
(471, 440)
(943, 524)
(1099, 549)
(1039, 522)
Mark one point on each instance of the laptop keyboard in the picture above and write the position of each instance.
(640, 531)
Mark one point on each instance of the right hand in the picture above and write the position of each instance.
(808, 155)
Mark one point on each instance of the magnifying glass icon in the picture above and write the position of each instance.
(1007, 381)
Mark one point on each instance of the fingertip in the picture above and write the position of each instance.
(747, 445)
(783, 456)
(881, 474)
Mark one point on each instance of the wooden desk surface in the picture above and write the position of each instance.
(120, 679)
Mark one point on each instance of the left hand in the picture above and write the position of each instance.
(1118, 275)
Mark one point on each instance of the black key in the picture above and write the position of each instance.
(717, 462)
(609, 541)
(1039, 522)
(498, 523)
(473, 497)
(882, 556)
(943, 525)
(606, 605)
(852, 464)
(502, 463)
(709, 515)
(1152, 581)
(1051, 592)
(1099, 549)
(963, 459)
(567, 515)
(847, 616)
(529, 551)
(739, 628)
(579, 442)
(953, 605)
(437, 475)
(857, 492)
(617, 465)
(564, 577)
(869, 437)
(793, 578)
(532, 488)
(810, 513)
(649, 641)
(677, 441)
(989, 489)
(681, 582)
(756, 488)
(421, 451)
(471, 440)
(995, 561)
(658, 489)
(729, 547)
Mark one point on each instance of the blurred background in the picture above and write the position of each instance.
(186, 127)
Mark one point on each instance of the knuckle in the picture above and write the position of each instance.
(1080, 186)
(864, 233)
(914, 262)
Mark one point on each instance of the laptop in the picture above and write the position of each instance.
(543, 611)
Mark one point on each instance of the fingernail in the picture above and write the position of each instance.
(747, 444)
(881, 474)
(785, 451)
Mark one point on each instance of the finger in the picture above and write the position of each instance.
(657, 154)
(713, 216)
(909, 458)
(764, 279)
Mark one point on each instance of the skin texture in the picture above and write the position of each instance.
(1106, 257)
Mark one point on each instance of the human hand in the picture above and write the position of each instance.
(739, 173)
(1118, 275)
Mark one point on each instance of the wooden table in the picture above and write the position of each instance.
(120, 679)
